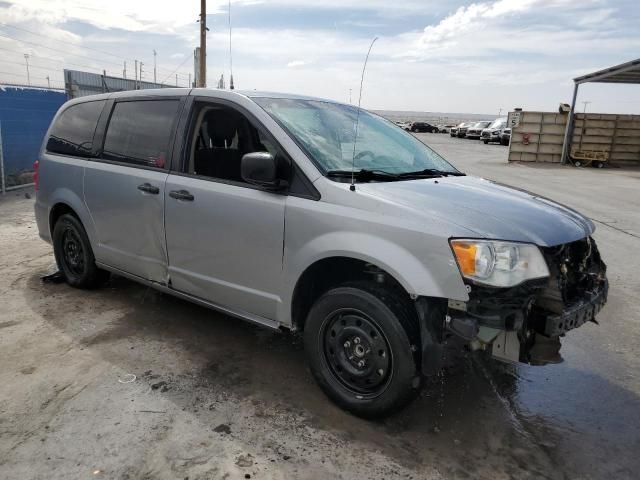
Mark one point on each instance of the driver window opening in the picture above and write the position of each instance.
(221, 136)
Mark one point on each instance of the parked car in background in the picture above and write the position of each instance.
(423, 127)
(403, 125)
(453, 131)
(462, 129)
(445, 128)
(505, 137)
(476, 129)
(494, 131)
(188, 191)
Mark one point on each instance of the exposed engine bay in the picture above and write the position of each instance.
(524, 323)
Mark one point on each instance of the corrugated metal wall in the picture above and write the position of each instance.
(544, 132)
(80, 84)
(540, 135)
(25, 115)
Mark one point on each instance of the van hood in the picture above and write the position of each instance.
(488, 209)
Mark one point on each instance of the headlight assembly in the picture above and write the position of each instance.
(498, 264)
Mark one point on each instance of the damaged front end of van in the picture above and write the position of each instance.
(523, 298)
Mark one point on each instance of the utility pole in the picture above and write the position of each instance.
(124, 70)
(48, 82)
(202, 81)
(585, 106)
(26, 60)
(350, 96)
(141, 72)
(135, 83)
(176, 79)
(500, 112)
(154, 65)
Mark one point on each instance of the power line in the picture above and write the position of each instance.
(52, 69)
(178, 67)
(119, 64)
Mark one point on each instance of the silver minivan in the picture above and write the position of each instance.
(308, 215)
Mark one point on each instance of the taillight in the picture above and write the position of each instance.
(36, 174)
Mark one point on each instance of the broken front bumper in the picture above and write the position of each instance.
(577, 314)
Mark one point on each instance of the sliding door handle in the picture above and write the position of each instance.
(148, 188)
(181, 195)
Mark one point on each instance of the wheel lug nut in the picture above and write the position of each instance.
(380, 372)
(356, 340)
(361, 363)
(347, 344)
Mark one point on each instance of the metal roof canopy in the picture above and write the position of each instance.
(628, 73)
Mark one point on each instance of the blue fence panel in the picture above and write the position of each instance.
(25, 115)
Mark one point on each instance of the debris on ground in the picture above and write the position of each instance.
(55, 277)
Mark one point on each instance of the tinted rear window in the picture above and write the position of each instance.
(139, 132)
(72, 132)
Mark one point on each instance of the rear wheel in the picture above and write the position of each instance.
(359, 349)
(74, 255)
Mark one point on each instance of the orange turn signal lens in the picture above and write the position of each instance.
(466, 256)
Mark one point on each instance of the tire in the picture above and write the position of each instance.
(359, 351)
(486, 142)
(74, 255)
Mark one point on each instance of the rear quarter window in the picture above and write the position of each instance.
(139, 132)
(72, 132)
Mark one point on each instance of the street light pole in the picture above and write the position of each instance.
(154, 65)
(585, 106)
(26, 60)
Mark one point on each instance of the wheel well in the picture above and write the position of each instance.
(331, 272)
(57, 211)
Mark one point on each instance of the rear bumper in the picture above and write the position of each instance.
(576, 315)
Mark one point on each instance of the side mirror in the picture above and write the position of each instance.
(260, 168)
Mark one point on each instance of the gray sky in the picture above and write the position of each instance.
(432, 55)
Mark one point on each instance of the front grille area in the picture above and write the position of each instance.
(576, 271)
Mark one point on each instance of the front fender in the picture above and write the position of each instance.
(432, 276)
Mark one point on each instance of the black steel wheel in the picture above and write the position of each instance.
(359, 342)
(356, 351)
(74, 255)
(72, 251)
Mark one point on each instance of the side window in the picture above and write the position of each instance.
(220, 137)
(72, 133)
(139, 132)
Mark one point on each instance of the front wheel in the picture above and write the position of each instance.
(74, 255)
(359, 349)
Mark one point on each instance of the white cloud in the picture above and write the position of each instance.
(297, 63)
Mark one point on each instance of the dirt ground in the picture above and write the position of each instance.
(124, 382)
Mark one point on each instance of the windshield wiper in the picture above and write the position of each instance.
(430, 172)
(363, 174)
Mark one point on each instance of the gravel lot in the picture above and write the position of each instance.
(124, 382)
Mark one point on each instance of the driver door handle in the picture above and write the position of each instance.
(181, 195)
(148, 188)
